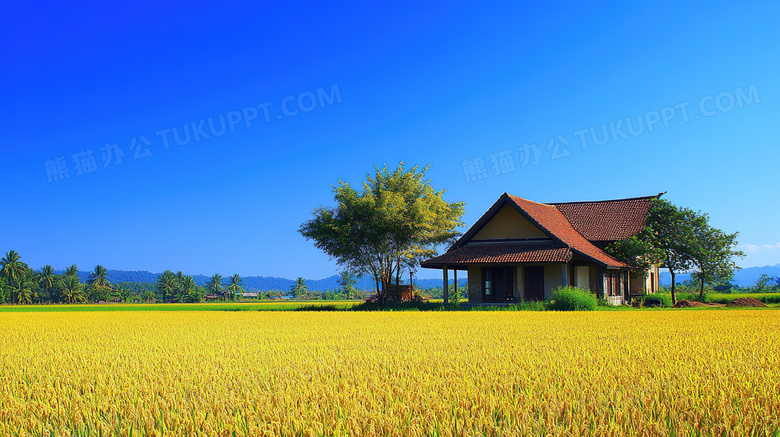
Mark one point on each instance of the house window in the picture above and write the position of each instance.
(488, 282)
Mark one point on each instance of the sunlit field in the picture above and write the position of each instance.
(390, 373)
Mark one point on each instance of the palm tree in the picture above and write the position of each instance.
(188, 285)
(22, 289)
(47, 279)
(71, 289)
(124, 293)
(235, 286)
(72, 271)
(11, 266)
(166, 284)
(149, 296)
(300, 288)
(216, 284)
(99, 277)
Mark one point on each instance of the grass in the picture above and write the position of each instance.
(210, 306)
(432, 305)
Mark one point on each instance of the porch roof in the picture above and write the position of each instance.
(501, 252)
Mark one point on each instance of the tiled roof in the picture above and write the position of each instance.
(608, 220)
(551, 220)
(498, 252)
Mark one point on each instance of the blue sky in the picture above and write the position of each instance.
(302, 94)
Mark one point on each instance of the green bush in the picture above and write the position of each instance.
(572, 299)
(665, 298)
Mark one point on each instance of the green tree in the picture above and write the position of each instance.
(124, 293)
(235, 286)
(215, 285)
(396, 220)
(72, 270)
(347, 281)
(190, 292)
(714, 256)
(46, 280)
(11, 267)
(681, 240)
(71, 288)
(99, 277)
(23, 289)
(299, 289)
(167, 285)
(5, 291)
(149, 296)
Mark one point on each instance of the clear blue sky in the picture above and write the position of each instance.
(441, 83)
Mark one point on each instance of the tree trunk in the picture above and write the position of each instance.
(674, 297)
(701, 290)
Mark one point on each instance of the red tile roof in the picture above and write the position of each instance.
(607, 220)
(551, 220)
(571, 226)
(502, 252)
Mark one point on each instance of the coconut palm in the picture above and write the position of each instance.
(300, 288)
(235, 286)
(99, 277)
(149, 296)
(46, 279)
(22, 289)
(72, 271)
(188, 285)
(11, 266)
(167, 285)
(215, 286)
(71, 289)
(124, 293)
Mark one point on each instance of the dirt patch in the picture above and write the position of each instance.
(746, 302)
(693, 304)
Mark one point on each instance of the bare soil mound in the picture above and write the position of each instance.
(692, 304)
(746, 302)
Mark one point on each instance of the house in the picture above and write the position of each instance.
(523, 250)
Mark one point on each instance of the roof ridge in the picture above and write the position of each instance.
(605, 200)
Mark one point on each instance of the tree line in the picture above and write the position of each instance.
(20, 284)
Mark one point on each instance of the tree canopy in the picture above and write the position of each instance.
(681, 240)
(393, 222)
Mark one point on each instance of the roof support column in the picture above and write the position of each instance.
(445, 288)
(455, 280)
(565, 270)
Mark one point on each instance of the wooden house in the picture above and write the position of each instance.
(524, 250)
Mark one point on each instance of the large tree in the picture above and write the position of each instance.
(713, 258)
(235, 286)
(11, 267)
(47, 280)
(167, 285)
(299, 289)
(70, 288)
(215, 285)
(680, 239)
(393, 222)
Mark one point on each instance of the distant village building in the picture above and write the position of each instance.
(524, 250)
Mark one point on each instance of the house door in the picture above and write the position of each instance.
(534, 283)
(497, 285)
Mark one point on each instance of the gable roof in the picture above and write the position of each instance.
(501, 252)
(552, 221)
(607, 220)
(571, 226)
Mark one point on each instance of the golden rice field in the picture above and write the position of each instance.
(437, 373)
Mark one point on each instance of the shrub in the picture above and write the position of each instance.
(665, 298)
(572, 299)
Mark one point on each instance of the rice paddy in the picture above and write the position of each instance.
(206, 373)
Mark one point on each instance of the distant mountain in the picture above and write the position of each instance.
(744, 277)
(258, 283)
